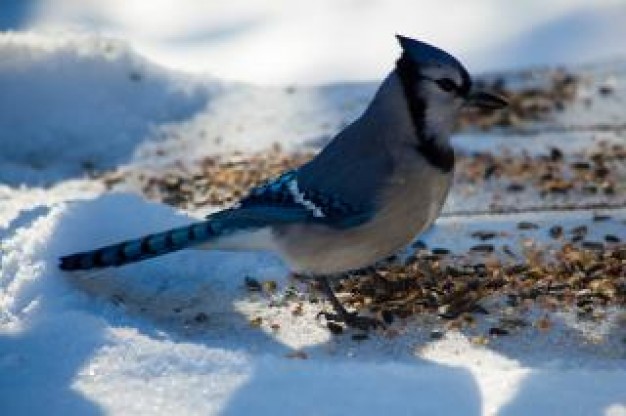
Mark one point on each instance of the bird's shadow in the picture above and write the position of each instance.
(325, 375)
(570, 369)
(39, 365)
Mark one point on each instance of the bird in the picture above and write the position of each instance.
(376, 186)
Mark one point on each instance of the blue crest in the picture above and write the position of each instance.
(424, 54)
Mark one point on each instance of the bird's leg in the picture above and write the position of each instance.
(351, 319)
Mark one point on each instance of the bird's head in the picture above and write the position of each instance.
(437, 80)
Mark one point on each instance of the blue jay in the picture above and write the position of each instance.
(377, 185)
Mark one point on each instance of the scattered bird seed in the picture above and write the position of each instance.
(556, 154)
(484, 235)
(544, 324)
(483, 248)
(425, 282)
(201, 317)
(252, 284)
(513, 323)
(334, 328)
(605, 89)
(525, 225)
(593, 245)
(435, 334)
(360, 337)
(297, 310)
(515, 187)
(387, 316)
(556, 231)
(480, 340)
(270, 286)
(495, 331)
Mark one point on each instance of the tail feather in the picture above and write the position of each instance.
(147, 247)
(217, 225)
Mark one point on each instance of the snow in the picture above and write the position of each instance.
(173, 334)
(69, 80)
(113, 341)
(279, 42)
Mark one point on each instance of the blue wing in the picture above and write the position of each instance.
(278, 201)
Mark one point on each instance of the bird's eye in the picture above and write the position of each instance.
(447, 84)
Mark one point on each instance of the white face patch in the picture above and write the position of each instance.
(299, 198)
(442, 109)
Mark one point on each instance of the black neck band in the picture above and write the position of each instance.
(441, 157)
(408, 78)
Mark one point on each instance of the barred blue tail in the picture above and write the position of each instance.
(147, 247)
(217, 225)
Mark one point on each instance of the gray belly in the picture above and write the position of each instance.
(408, 208)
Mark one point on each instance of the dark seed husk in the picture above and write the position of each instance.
(556, 231)
(201, 317)
(525, 225)
(436, 334)
(483, 248)
(599, 217)
(605, 90)
(484, 235)
(360, 337)
(334, 328)
(495, 331)
(593, 245)
(556, 154)
(515, 187)
(387, 316)
(252, 284)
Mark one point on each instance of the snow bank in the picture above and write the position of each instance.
(81, 102)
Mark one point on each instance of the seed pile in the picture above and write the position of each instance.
(572, 278)
(215, 181)
(525, 105)
(596, 171)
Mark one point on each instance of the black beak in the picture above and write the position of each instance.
(485, 100)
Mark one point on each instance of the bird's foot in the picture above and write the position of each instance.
(352, 320)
